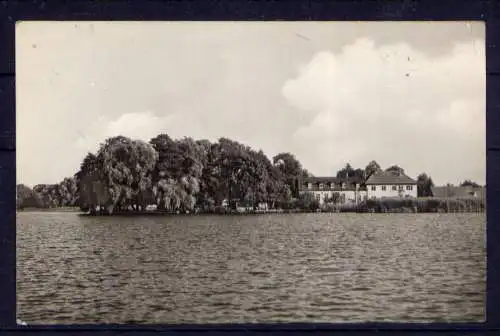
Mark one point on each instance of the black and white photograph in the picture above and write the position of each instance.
(250, 172)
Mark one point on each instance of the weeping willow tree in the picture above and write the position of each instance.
(175, 175)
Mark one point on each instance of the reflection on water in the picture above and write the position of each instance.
(269, 268)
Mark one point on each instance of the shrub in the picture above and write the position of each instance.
(329, 207)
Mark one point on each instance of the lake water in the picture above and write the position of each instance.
(245, 269)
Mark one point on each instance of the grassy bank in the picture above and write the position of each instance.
(388, 205)
(429, 204)
(385, 205)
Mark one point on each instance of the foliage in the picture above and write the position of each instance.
(396, 169)
(428, 204)
(27, 198)
(345, 172)
(291, 170)
(175, 175)
(189, 175)
(307, 201)
(358, 175)
(469, 183)
(371, 168)
(424, 185)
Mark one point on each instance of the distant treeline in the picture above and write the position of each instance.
(183, 175)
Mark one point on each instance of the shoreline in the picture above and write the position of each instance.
(377, 206)
(159, 214)
(65, 209)
(232, 213)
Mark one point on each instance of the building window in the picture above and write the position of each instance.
(321, 185)
(309, 186)
(384, 188)
(374, 188)
(394, 188)
(400, 187)
(332, 185)
(409, 187)
(318, 197)
(343, 185)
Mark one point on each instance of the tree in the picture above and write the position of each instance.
(469, 183)
(93, 192)
(395, 169)
(371, 168)
(211, 191)
(127, 167)
(291, 170)
(424, 185)
(175, 174)
(27, 198)
(180, 177)
(68, 191)
(86, 179)
(346, 173)
(48, 194)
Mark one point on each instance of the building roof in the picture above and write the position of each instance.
(452, 191)
(390, 177)
(349, 184)
(317, 179)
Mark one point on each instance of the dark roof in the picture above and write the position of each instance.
(331, 179)
(350, 184)
(317, 179)
(390, 177)
(452, 191)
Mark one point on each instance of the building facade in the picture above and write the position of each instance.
(391, 184)
(349, 190)
(324, 188)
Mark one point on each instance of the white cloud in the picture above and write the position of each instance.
(87, 81)
(396, 105)
(139, 125)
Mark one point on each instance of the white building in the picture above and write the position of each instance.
(379, 185)
(323, 188)
(391, 184)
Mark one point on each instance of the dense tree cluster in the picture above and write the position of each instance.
(174, 175)
(63, 194)
(184, 175)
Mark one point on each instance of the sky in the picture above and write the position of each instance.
(331, 93)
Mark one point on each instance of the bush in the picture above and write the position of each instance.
(220, 210)
(329, 207)
(308, 202)
(422, 205)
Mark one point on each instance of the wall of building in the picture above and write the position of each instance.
(389, 191)
(347, 196)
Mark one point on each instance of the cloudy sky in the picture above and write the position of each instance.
(411, 94)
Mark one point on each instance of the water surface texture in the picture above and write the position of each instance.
(244, 269)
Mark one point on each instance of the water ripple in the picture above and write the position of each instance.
(282, 268)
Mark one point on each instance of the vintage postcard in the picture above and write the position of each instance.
(250, 172)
